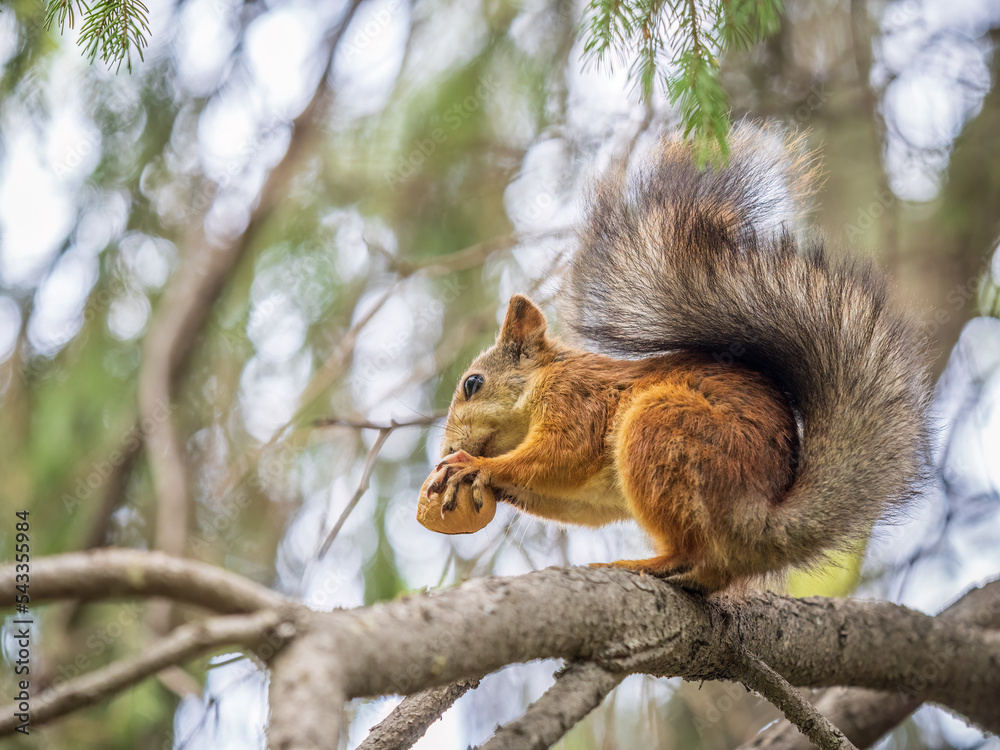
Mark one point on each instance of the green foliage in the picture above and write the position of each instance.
(681, 41)
(111, 28)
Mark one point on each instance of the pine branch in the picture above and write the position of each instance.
(63, 12)
(112, 29)
(681, 43)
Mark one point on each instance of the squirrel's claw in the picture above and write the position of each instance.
(477, 490)
(450, 501)
(450, 466)
(454, 469)
(440, 479)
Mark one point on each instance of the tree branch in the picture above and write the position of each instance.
(865, 715)
(337, 363)
(579, 689)
(366, 475)
(473, 255)
(112, 573)
(629, 622)
(365, 424)
(623, 622)
(183, 643)
(800, 712)
(410, 719)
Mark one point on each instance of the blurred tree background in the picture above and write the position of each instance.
(292, 210)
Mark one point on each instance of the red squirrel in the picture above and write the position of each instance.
(752, 405)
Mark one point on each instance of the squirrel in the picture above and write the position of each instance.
(751, 404)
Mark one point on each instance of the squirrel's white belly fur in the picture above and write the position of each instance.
(596, 502)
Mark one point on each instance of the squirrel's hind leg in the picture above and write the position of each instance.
(664, 447)
(662, 566)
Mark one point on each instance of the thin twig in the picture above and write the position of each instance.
(579, 689)
(366, 476)
(409, 720)
(759, 677)
(364, 424)
(183, 643)
(324, 377)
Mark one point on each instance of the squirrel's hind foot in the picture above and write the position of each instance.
(670, 569)
(661, 566)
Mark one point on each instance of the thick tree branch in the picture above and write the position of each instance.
(578, 690)
(306, 696)
(865, 715)
(410, 719)
(113, 573)
(622, 622)
(629, 622)
(183, 643)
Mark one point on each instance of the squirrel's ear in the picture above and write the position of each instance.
(524, 324)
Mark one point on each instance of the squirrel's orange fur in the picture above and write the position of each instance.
(743, 345)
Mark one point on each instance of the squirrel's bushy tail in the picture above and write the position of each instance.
(677, 258)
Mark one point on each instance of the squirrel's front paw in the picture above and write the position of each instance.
(474, 506)
(454, 469)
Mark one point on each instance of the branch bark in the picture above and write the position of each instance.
(800, 712)
(618, 621)
(629, 623)
(865, 715)
(410, 719)
(112, 573)
(183, 643)
(578, 690)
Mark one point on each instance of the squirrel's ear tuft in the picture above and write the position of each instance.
(524, 324)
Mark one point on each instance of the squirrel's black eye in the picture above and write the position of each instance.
(472, 384)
